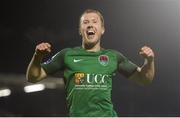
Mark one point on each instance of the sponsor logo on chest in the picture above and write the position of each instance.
(91, 81)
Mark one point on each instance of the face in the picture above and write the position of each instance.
(91, 28)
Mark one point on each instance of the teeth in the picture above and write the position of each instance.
(90, 32)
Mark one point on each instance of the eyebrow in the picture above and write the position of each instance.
(90, 19)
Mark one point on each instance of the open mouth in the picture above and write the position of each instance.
(90, 34)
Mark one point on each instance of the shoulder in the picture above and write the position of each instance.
(117, 53)
(61, 53)
(67, 50)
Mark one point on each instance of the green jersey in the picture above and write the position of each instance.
(88, 79)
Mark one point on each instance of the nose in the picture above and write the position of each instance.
(89, 27)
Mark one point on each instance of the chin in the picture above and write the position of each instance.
(92, 41)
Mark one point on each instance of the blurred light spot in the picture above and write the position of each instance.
(34, 88)
(5, 92)
(50, 86)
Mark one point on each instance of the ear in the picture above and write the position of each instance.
(79, 32)
(103, 31)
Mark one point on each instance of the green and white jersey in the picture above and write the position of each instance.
(88, 79)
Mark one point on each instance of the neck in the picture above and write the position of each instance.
(92, 47)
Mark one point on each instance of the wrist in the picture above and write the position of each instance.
(148, 61)
(38, 55)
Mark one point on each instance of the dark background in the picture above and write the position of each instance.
(129, 24)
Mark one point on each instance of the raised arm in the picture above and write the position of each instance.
(145, 74)
(34, 71)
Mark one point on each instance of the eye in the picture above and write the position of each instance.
(94, 21)
(85, 22)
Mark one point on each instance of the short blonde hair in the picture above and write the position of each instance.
(92, 11)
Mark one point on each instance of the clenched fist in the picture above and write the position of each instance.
(43, 48)
(147, 53)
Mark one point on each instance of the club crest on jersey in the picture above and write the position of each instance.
(103, 60)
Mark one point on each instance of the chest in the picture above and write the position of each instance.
(91, 63)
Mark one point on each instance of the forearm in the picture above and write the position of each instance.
(34, 69)
(147, 71)
(145, 74)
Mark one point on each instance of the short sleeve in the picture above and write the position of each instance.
(54, 64)
(125, 66)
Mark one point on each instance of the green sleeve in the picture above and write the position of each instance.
(54, 64)
(125, 66)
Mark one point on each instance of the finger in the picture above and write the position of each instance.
(145, 49)
(49, 50)
(149, 51)
(145, 53)
(148, 54)
(39, 47)
(44, 46)
(151, 54)
(48, 45)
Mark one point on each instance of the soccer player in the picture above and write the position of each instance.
(89, 69)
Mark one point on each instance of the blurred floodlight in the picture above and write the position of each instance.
(5, 92)
(34, 88)
(50, 85)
